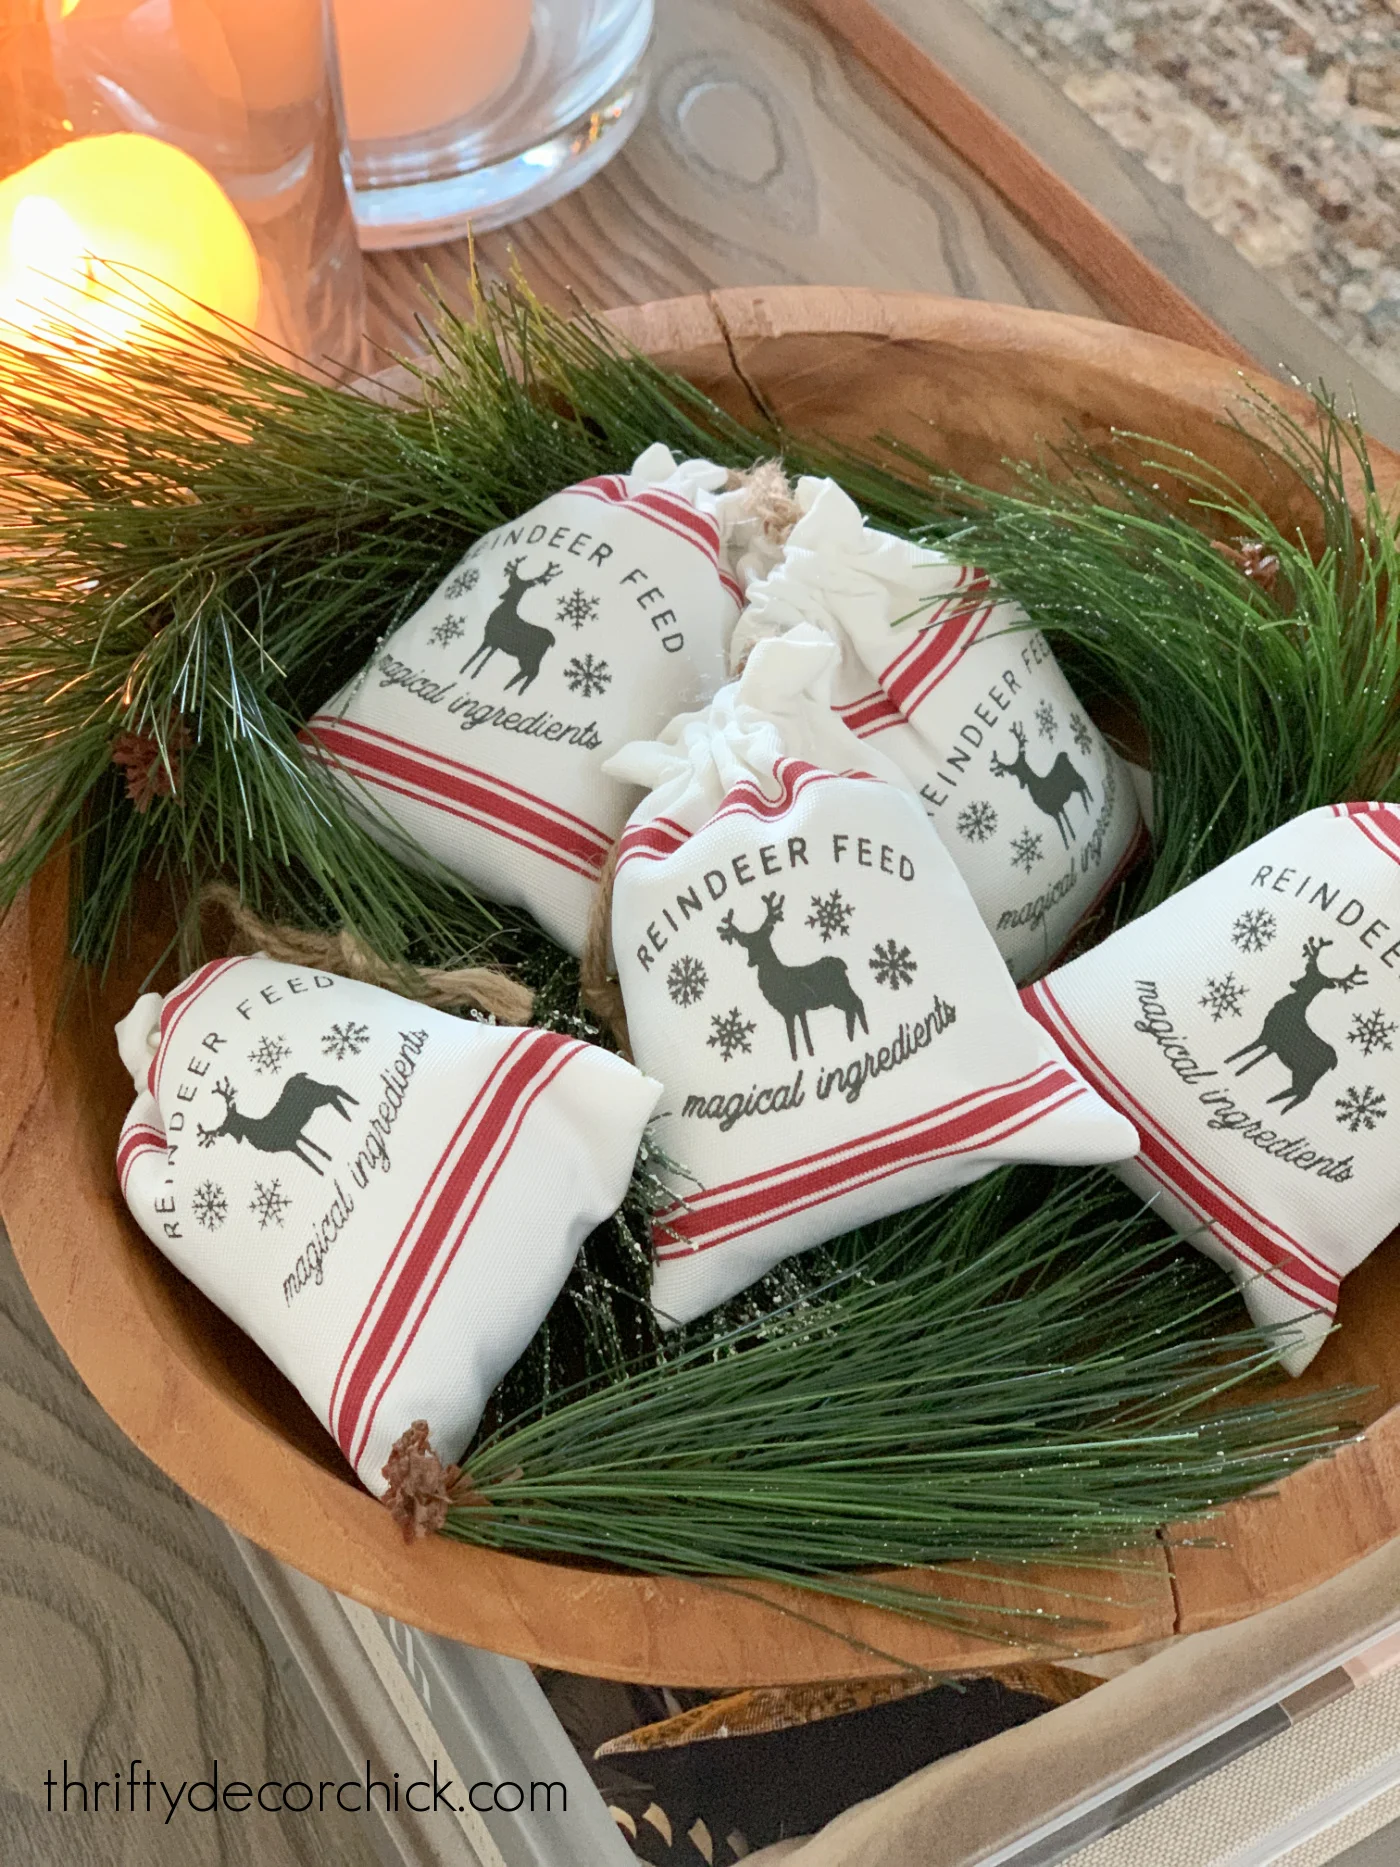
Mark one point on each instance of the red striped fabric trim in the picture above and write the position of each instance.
(536, 1090)
(673, 512)
(938, 659)
(1378, 823)
(652, 841)
(794, 776)
(136, 1141)
(427, 753)
(461, 791)
(968, 1125)
(463, 1129)
(871, 714)
(660, 837)
(435, 1229)
(178, 1002)
(1256, 1240)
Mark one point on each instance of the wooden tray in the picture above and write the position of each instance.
(975, 383)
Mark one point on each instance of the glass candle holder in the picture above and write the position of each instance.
(466, 114)
(189, 144)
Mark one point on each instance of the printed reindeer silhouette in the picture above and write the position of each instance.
(508, 630)
(793, 991)
(1287, 1035)
(283, 1129)
(1051, 790)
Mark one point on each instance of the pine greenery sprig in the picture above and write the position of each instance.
(1027, 1372)
(199, 545)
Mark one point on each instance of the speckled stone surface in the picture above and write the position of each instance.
(1277, 121)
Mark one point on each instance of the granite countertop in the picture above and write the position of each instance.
(1277, 121)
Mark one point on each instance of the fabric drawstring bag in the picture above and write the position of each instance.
(805, 971)
(951, 683)
(386, 1198)
(479, 729)
(1249, 1027)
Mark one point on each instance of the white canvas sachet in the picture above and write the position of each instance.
(804, 969)
(480, 728)
(951, 683)
(1249, 1027)
(387, 1199)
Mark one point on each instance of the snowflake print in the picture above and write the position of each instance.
(447, 631)
(1253, 930)
(465, 580)
(345, 1040)
(831, 915)
(686, 981)
(1224, 997)
(587, 676)
(893, 965)
(977, 821)
(269, 1053)
(1080, 734)
(578, 607)
(1361, 1108)
(731, 1033)
(1026, 850)
(1372, 1030)
(209, 1205)
(1045, 720)
(268, 1204)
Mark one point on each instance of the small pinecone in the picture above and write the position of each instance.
(137, 757)
(420, 1485)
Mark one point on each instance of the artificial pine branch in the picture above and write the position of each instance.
(1028, 1372)
(200, 545)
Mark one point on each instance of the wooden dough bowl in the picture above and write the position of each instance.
(974, 384)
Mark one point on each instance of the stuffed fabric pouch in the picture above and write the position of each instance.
(805, 971)
(479, 729)
(387, 1199)
(952, 684)
(1248, 1027)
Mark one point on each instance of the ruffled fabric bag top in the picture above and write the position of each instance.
(804, 970)
(951, 682)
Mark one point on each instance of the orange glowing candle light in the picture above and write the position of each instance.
(108, 230)
(413, 65)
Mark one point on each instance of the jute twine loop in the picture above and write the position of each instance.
(598, 986)
(769, 498)
(480, 987)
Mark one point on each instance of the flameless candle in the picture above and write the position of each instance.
(413, 65)
(97, 224)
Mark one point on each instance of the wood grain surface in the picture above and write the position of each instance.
(121, 1637)
(769, 155)
(1119, 275)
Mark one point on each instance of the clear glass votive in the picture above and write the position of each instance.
(190, 143)
(466, 114)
